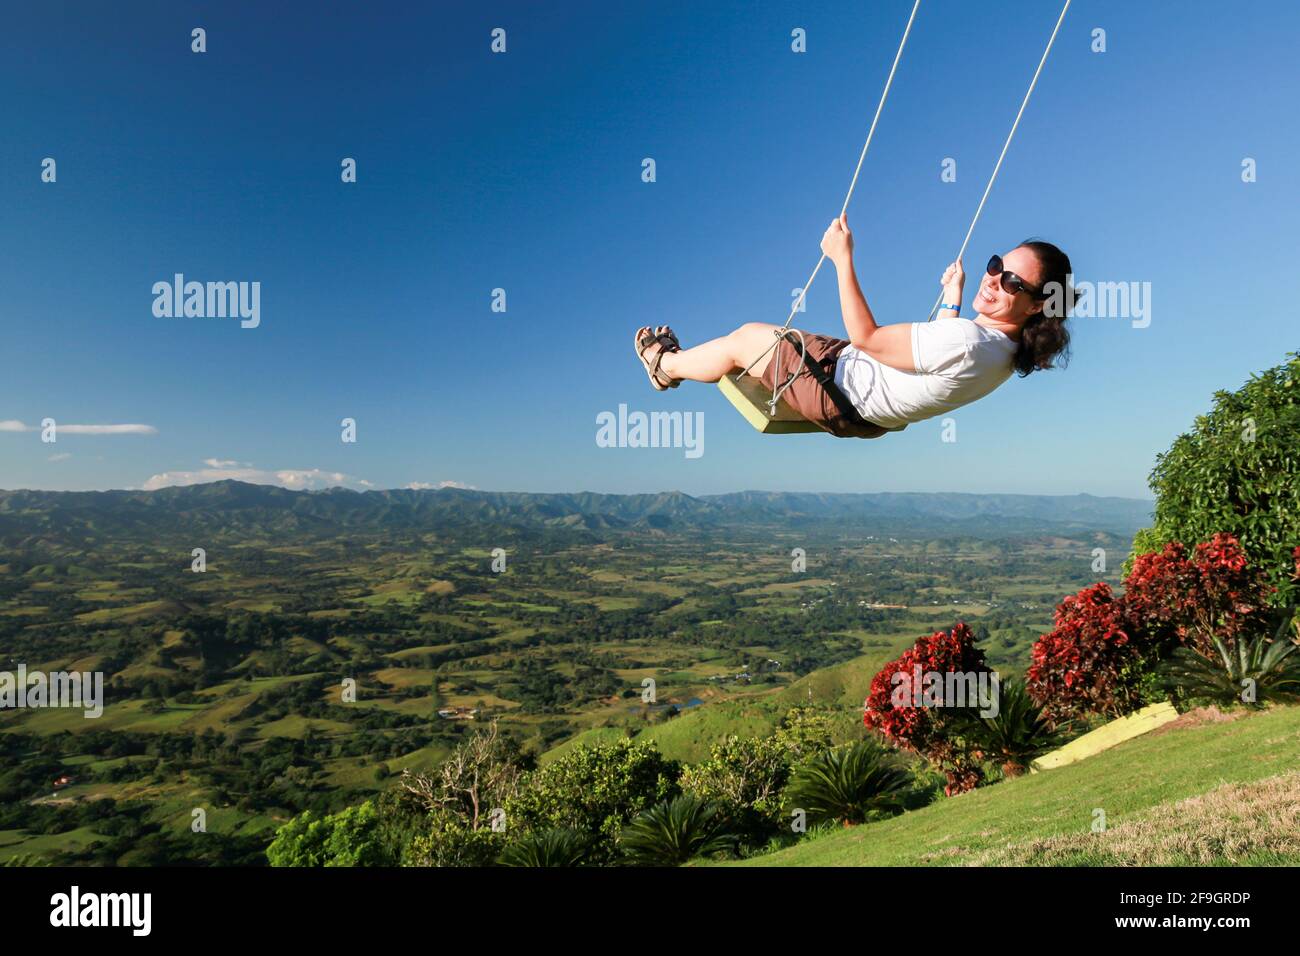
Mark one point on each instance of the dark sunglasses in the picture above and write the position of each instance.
(1011, 283)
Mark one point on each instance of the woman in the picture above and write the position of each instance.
(892, 375)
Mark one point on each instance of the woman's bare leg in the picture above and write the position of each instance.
(730, 353)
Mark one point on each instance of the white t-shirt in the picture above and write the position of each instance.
(957, 361)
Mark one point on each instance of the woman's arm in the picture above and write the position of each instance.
(953, 282)
(888, 344)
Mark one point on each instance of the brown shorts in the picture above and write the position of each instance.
(806, 396)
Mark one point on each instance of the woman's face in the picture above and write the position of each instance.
(993, 302)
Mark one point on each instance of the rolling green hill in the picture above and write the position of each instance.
(1215, 792)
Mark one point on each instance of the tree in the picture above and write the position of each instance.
(348, 838)
(744, 777)
(1237, 471)
(481, 774)
(447, 841)
(594, 790)
(805, 732)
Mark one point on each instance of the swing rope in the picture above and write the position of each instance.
(1005, 146)
(780, 333)
(776, 392)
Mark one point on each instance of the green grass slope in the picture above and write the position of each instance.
(1224, 792)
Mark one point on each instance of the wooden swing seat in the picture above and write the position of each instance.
(750, 398)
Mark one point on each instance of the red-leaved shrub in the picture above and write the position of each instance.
(926, 730)
(1086, 663)
(1102, 648)
(1216, 591)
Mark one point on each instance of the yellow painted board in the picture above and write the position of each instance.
(1108, 735)
(750, 397)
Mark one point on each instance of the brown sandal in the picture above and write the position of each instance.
(667, 342)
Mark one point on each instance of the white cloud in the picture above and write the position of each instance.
(107, 430)
(296, 479)
(428, 486)
(225, 463)
(13, 425)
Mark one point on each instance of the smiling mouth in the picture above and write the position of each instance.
(986, 295)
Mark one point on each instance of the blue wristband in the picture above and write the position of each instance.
(955, 308)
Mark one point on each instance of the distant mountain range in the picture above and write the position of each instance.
(233, 506)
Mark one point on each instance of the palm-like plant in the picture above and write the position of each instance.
(555, 847)
(848, 784)
(1250, 670)
(675, 831)
(1016, 734)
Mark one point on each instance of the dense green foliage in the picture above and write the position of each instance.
(744, 777)
(1237, 471)
(347, 838)
(595, 790)
(447, 841)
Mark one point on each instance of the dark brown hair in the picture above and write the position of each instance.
(1044, 340)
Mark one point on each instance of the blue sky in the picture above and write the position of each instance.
(522, 171)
